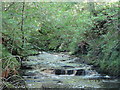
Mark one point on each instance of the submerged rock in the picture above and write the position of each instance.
(59, 72)
(70, 72)
(48, 71)
(80, 72)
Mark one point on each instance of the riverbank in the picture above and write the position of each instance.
(100, 67)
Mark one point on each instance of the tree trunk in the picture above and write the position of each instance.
(91, 7)
(22, 23)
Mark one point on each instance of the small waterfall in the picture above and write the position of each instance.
(91, 72)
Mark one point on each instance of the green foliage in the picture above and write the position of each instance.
(8, 60)
(61, 27)
(16, 82)
(105, 46)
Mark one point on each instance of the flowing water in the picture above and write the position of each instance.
(58, 70)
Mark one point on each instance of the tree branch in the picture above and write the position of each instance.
(6, 9)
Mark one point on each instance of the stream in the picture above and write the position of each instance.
(59, 70)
